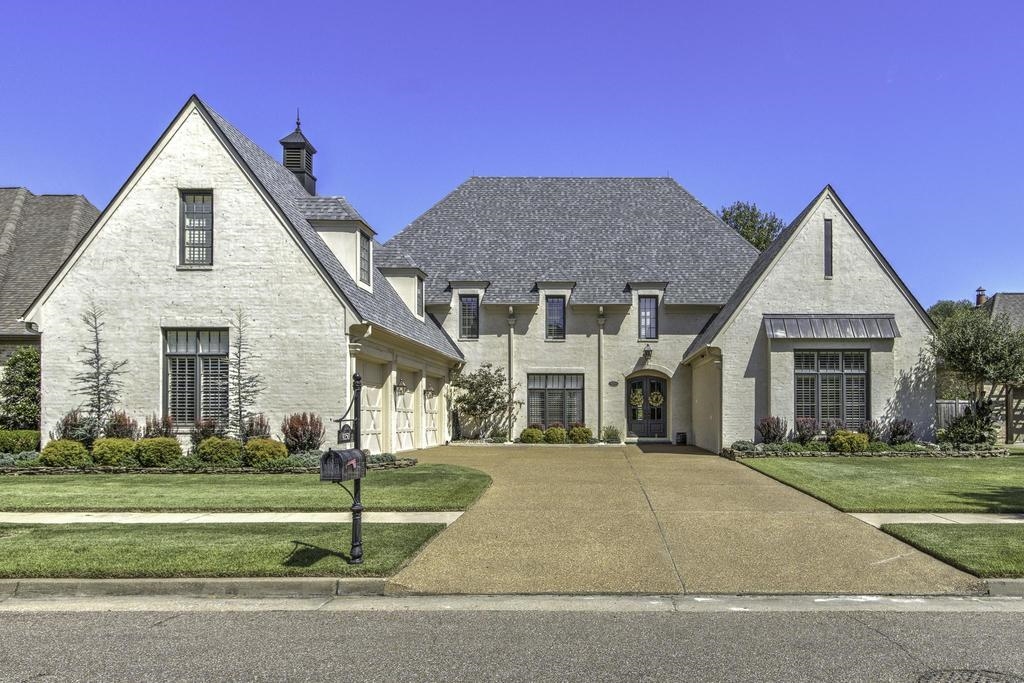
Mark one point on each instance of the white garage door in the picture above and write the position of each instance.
(431, 401)
(372, 415)
(405, 412)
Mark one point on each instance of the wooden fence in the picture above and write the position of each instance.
(948, 409)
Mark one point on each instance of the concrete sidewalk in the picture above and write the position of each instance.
(877, 519)
(224, 517)
(656, 519)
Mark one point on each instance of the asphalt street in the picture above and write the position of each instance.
(504, 641)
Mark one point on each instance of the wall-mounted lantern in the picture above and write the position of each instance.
(401, 388)
(429, 392)
(648, 352)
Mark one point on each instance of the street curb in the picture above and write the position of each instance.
(213, 587)
(1006, 588)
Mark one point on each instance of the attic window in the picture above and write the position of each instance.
(419, 296)
(555, 324)
(196, 228)
(828, 248)
(364, 258)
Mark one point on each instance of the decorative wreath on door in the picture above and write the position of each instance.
(656, 399)
(636, 399)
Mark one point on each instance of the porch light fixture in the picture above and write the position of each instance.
(648, 352)
(401, 387)
(429, 392)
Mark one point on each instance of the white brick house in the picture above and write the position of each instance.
(609, 301)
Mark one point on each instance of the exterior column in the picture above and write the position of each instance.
(511, 367)
(601, 320)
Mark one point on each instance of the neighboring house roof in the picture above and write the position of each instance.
(768, 257)
(601, 233)
(37, 232)
(1009, 304)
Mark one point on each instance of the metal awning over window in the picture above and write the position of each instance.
(838, 326)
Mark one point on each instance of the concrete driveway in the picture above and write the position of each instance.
(655, 519)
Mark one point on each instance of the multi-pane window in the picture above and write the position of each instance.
(554, 320)
(197, 228)
(832, 385)
(197, 375)
(419, 296)
(469, 316)
(364, 258)
(554, 399)
(648, 317)
(828, 247)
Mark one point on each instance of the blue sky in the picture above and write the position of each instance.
(912, 110)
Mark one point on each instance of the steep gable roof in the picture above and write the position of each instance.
(1009, 304)
(37, 232)
(768, 258)
(600, 233)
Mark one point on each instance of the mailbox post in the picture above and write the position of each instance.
(349, 464)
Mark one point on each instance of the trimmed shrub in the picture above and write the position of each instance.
(901, 431)
(580, 434)
(830, 427)
(611, 434)
(202, 430)
(302, 432)
(122, 426)
(65, 453)
(805, 429)
(380, 458)
(19, 440)
(157, 451)
(975, 426)
(773, 429)
(873, 429)
(114, 452)
(816, 446)
(907, 447)
(256, 427)
(258, 451)
(743, 446)
(555, 434)
(305, 459)
(20, 459)
(217, 450)
(531, 435)
(158, 426)
(775, 448)
(793, 447)
(848, 442)
(878, 447)
(75, 426)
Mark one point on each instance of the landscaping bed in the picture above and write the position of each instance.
(421, 488)
(732, 454)
(900, 484)
(397, 463)
(985, 550)
(203, 550)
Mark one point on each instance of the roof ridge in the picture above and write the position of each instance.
(574, 177)
(10, 230)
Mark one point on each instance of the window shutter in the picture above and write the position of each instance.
(214, 389)
(181, 389)
(806, 396)
(831, 389)
(855, 399)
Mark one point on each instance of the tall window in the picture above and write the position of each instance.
(648, 317)
(419, 296)
(197, 375)
(197, 228)
(554, 399)
(554, 326)
(828, 247)
(832, 385)
(364, 258)
(469, 316)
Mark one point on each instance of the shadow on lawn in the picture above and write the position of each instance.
(306, 555)
(995, 498)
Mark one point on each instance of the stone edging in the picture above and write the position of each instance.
(749, 455)
(100, 469)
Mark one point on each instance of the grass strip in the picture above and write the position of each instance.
(985, 550)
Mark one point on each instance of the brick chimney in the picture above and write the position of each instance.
(979, 296)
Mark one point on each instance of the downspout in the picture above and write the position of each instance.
(511, 384)
(601, 320)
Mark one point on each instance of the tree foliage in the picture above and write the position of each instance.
(19, 390)
(951, 384)
(758, 227)
(484, 400)
(943, 308)
(244, 384)
(982, 348)
(100, 382)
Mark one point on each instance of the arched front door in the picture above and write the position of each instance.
(646, 406)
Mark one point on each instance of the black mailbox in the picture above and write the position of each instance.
(342, 464)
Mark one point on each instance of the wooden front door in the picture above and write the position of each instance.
(647, 406)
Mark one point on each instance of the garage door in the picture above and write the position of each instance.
(405, 412)
(372, 415)
(431, 401)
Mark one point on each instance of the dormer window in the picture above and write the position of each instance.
(554, 327)
(648, 316)
(364, 258)
(419, 296)
(196, 228)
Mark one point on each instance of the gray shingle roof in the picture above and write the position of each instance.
(328, 209)
(383, 307)
(600, 233)
(37, 232)
(1009, 304)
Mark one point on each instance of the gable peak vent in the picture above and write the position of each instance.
(298, 156)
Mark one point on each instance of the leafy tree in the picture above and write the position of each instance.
(981, 348)
(484, 400)
(99, 383)
(244, 385)
(19, 390)
(951, 384)
(758, 227)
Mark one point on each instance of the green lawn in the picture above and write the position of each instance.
(985, 550)
(423, 487)
(904, 484)
(184, 550)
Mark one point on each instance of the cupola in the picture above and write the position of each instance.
(298, 156)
